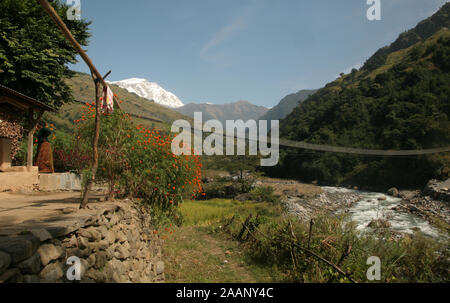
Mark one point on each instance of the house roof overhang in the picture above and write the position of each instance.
(21, 101)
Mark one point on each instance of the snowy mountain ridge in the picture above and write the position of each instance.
(150, 90)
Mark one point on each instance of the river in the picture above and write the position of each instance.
(370, 208)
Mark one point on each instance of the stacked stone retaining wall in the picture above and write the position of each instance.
(113, 244)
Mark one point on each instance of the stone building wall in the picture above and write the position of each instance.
(11, 128)
(114, 244)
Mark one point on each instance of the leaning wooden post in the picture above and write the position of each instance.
(311, 223)
(69, 37)
(98, 94)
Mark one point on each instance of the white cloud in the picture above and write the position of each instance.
(209, 50)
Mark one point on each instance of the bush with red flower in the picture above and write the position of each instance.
(138, 162)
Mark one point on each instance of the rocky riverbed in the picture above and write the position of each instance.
(424, 206)
(308, 207)
(402, 211)
(307, 201)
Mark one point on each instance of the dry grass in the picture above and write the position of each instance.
(280, 186)
(211, 173)
(194, 254)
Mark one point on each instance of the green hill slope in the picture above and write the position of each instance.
(401, 104)
(286, 105)
(83, 90)
(420, 33)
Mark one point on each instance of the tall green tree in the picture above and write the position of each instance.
(33, 52)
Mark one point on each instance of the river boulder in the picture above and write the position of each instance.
(393, 192)
(438, 190)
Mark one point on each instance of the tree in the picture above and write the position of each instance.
(33, 52)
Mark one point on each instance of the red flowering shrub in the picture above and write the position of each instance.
(138, 162)
(70, 158)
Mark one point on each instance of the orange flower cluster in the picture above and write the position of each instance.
(140, 161)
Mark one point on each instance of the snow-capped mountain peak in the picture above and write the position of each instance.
(150, 90)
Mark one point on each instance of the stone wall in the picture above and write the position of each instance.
(19, 178)
(115, 244)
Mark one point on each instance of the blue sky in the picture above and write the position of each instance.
(222, 51)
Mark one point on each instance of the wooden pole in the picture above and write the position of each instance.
(68, 35)
(98, 94)
(88, 186)
(311, 223)
(98, 79)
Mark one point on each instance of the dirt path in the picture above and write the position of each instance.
(192, 255)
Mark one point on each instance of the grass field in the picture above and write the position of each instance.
(195, 254)
(205, 248)
(203, 213)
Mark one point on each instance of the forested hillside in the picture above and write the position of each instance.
(287, 105)
(402, 104)
(420, 33)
